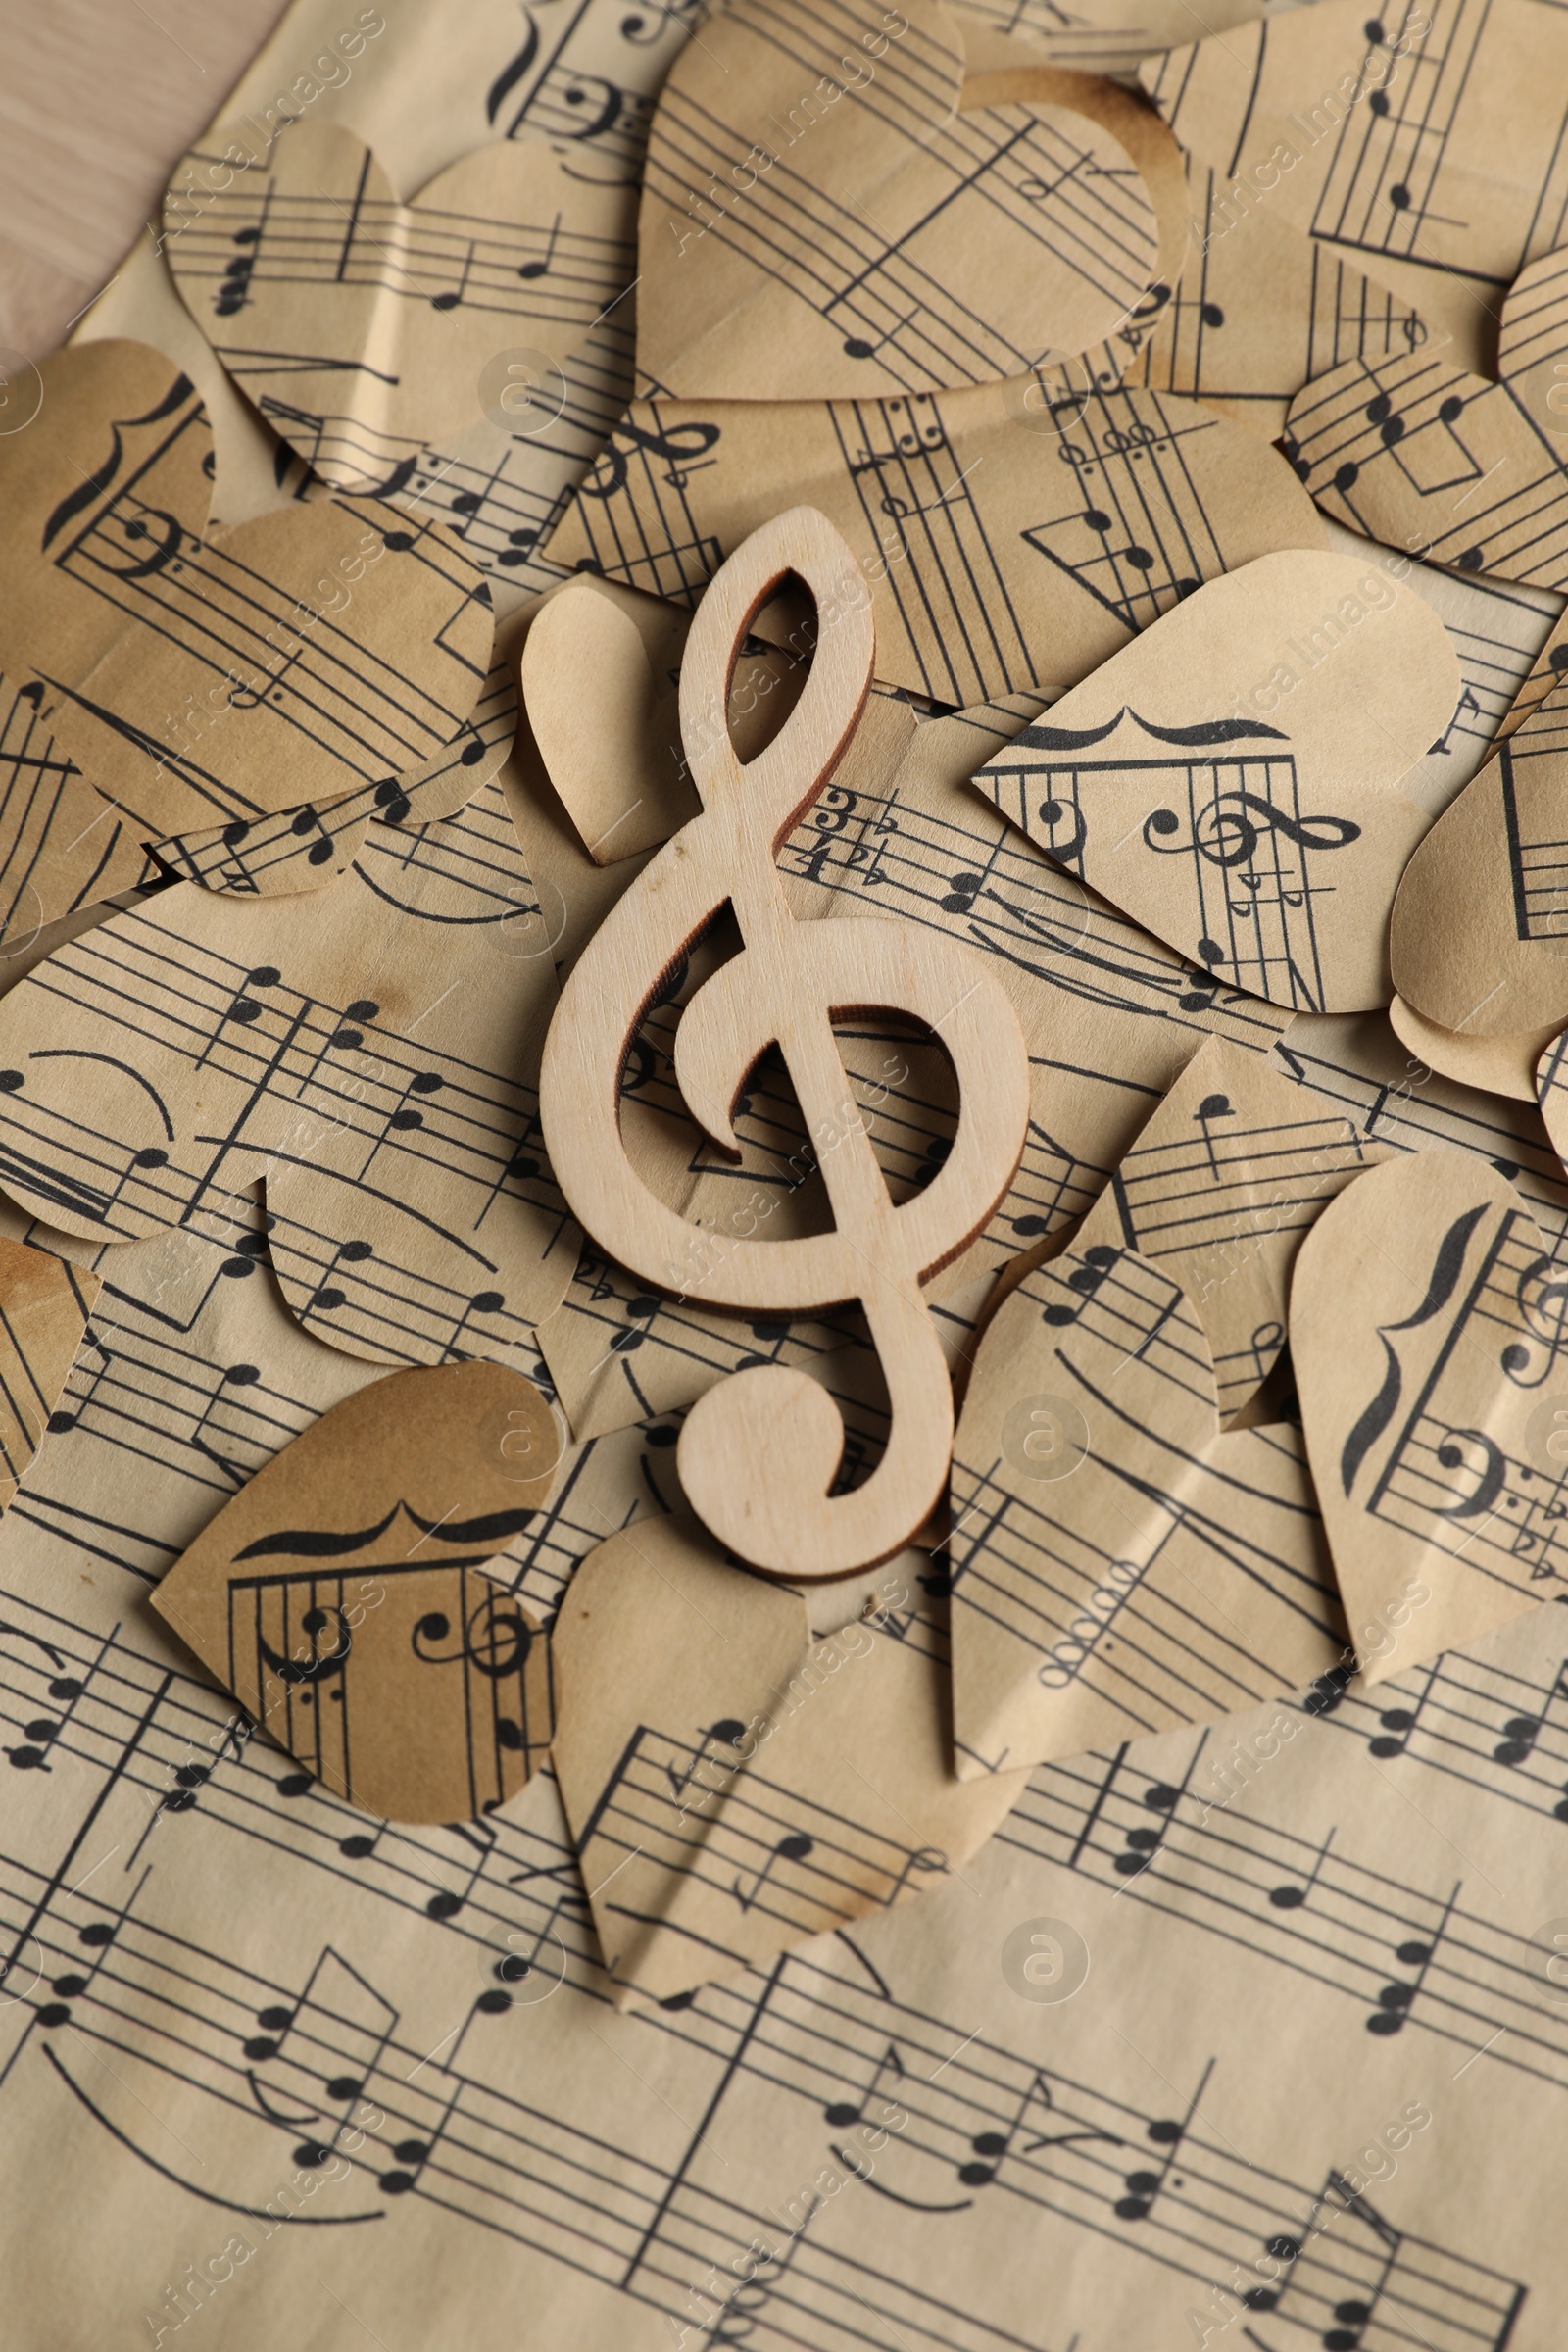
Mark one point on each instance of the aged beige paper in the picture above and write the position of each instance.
(1419, 453)
(353, 1618)
(370, 1050)
(821, 221)
(1423, 145)
(735, 1786)
(1233, 2028)
(300, 261)
(1014, 536)
(1219, 1191)
(194, 675)
(1205, 782)
(1426, 1319)
(1475, 924)
(1119, 1564)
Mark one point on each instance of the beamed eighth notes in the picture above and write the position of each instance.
(759, 1453)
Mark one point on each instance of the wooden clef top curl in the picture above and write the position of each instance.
(758, 1453)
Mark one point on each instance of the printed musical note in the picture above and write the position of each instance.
(531, 271)
(1398, 1723)
(993, 2148)
(451, 297)
(993, 584)
(395, 304)
(1397, 1999)
(843, 2112)
(1293, 1896)
(793, 1846)
(1144, 2188)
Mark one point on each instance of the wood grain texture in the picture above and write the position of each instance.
(98, 101)
(758, 1454)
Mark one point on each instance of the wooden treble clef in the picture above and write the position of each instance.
(760, 1452)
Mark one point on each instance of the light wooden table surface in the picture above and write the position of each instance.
(99, 99)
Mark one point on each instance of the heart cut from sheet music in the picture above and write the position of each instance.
(468, 301)
(1427, 1328)
(822, 221)
(1420, 140)
(44, 1306)
(1229, 779)
(619, 767)
(1478, 936)
(1009, 546)
(733, 1786)
(341, 1595)
(1230, 1174)
(1256, 313)
(1119, 1564)
(328, 645)
(370, 1051)
(1416, 452)
(300, 849)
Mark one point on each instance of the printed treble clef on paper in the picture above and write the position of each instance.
(684, 446)
(495, 1640)
(1228, 829)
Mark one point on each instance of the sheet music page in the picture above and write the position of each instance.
(1245, 2031)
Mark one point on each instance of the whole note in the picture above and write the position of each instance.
(759, 1453)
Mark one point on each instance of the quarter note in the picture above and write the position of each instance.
(793, 1847)
(1143, 1844)
(727, 1732)
(860, 346)
(1143, 2186)
(1398, 1723)
(1520, 1733)
(529, 270)
(1398, 1998)
(452, 296)
(412, 2155)
(1213, 1106)
(1290, 1897)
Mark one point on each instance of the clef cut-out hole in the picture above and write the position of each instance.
(765, 686)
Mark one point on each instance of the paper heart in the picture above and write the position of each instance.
(1119, 1565)
(1417, 453)
(1478, 936)
(1426, 1320)
(1230, 1174)
(341, 1594)
(1497, 1065)
(300, 849)
(1552, 1091)
(1326, 120)
(869, 238)
(62, 846)
(428, 316)
(160, 1063)
(732, 1785)
(194, 677)
(1260, 309)
(44, 1306)
(1362, 1066)
(1014, 536)
(1266, 849)
(621, 773)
